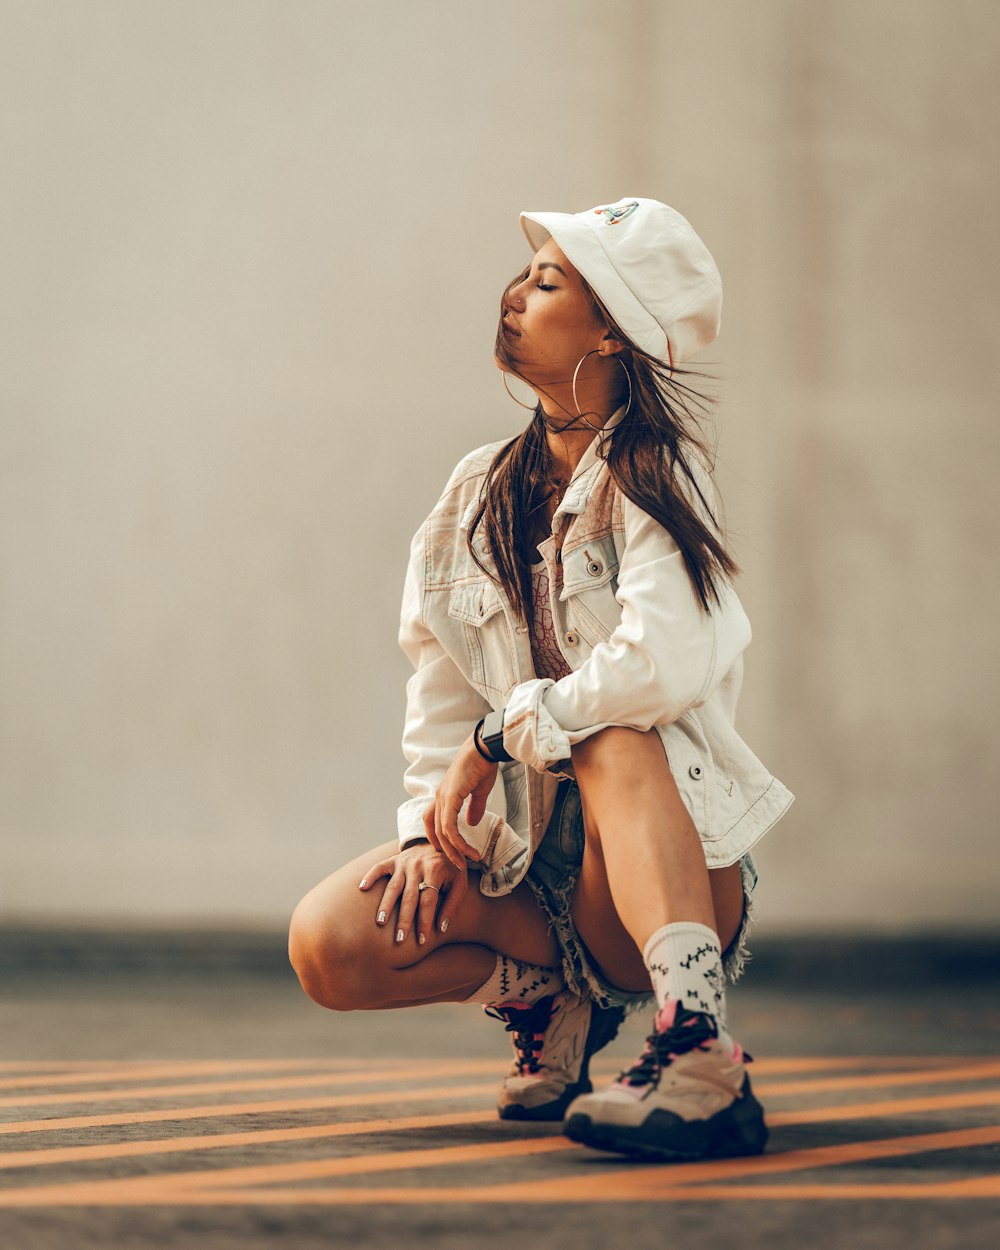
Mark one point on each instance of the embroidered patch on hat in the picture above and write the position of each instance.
(617, 212)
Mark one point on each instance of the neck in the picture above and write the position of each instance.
(567, 448)
(567, 432)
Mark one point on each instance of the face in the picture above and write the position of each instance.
(548, 319)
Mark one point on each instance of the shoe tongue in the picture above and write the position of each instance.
(673, 1015)
(666, 1016)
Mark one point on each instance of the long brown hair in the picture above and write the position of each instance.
(649, 455)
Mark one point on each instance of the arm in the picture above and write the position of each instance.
(666, 656)
(442, 709)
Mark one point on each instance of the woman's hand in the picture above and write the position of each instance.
(444, 888)
(469, 774)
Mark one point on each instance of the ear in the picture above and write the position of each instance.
(610, 346)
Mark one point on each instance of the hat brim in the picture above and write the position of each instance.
(536, 228)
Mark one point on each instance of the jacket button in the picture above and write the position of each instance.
(695, 772)
(570, 639)
(559, 556)
(595, 568)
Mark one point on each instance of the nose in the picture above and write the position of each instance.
(513, 299)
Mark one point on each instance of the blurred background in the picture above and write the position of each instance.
(252, 252)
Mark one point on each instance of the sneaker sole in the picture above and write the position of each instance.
(736, 1131)
(555, 1110)
(604, 1025)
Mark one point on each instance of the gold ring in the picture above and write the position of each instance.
(426, 885)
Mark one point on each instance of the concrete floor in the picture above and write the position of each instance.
(209, 1105)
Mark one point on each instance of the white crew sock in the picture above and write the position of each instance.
(685, 963)
(514, 981)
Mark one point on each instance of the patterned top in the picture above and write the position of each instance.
(545, 651)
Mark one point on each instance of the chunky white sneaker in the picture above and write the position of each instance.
(688, 1097)
(553, 1039)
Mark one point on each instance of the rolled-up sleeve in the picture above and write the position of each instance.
(666, 656)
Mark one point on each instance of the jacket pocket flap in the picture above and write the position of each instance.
(592, 564)
(474, 602)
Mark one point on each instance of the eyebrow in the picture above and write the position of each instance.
(551, 264)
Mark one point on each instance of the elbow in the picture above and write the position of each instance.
(671, 705)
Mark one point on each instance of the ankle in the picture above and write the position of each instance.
(514, 981)
(684, 960)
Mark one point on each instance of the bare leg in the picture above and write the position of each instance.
(347, 962)
(643, 864)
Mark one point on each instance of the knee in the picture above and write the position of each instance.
(620, 770)
(325, 958)
(618, 755)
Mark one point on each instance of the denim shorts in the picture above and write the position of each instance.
(553, 875)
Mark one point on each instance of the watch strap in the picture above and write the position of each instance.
(491, 736)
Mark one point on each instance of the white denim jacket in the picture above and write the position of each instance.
(642, 650)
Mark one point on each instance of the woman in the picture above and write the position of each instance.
(570, 616)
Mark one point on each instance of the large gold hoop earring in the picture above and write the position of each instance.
(628, 379)
(503, 378)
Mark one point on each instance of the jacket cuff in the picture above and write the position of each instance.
(530, 732)
(497, 843)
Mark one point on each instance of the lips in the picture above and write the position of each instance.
(508, 328)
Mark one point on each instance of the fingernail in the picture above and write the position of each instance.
(421, 939)
(364, 882)
(444, 925)
(400, 935)
(380, 918)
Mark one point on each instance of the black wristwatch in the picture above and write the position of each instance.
(491, 736)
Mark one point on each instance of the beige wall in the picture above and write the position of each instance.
(251, 257)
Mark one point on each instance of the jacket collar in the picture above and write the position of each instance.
(587, 472)
(574, 501)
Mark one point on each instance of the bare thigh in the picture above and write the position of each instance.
(345, 959)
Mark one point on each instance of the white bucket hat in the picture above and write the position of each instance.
(651, 271)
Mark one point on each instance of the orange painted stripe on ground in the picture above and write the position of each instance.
(978, 1187)
(772, 1065)
(255, 1137)
(601, 1191)
(974, 1071)
(887, 1107)
(148, 1071)
(260, 1137)
(458, 1067)
(175, 1187)
(227, 1110)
